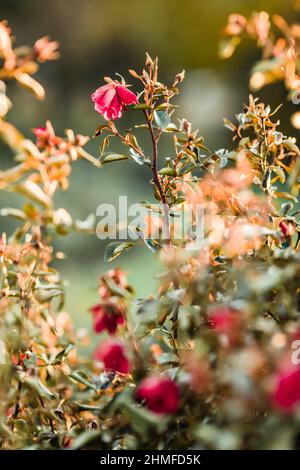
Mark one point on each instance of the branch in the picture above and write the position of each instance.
(156, 179)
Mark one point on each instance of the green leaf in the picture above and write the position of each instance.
(62, 354)
(115, 288)
(141, 126)
(162, 119)
(229, 125)
(279, 172)
(100, 129)
(168, 358)
(84, 407)
(42, 294)
(115, 249)
(151, 244)
(223, 161)
(172, 128)
(142, 106)
(285, 195)
(140, 159)
(79, 378)
(84, 439)
(186, 168)
(112, 157)
(290, 144)
(177, 201)
(151, 207)
(38, 387)
(167, 171)
(142, 420)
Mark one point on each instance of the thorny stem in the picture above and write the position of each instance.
(156, 179)
(166, 209)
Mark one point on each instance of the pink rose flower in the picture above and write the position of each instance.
(111, 354)
(111, 99)
(286, 393)
(107, 317)
(160, 394)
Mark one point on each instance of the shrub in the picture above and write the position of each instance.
(210, 361)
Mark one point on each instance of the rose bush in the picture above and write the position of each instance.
(208, 362)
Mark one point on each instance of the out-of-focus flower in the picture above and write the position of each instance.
(40, 132)
(227, 322)
(236, 24)
(6, 50)
(260, 26)
(160, 394)
(111, 99)
(250, 361)
(286, 393)
(54, 155)
(242, 237)
(111, 353)
(45, 49)
(107, 317)
(18, 359)
(199, 370)
(45, 136)
(295, 120)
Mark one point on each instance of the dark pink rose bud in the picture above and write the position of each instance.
(107, 317)
(160, 394)
(111, 354)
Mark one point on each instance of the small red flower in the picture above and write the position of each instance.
(161, 394)
(107, 317)
(112, 354)
(286, 394)
(40, 132)
(287, 229)
(228, 322)
(111, 99)
(45, 136)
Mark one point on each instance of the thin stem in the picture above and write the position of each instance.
(17, 405)
(156, 179)
(166, 209)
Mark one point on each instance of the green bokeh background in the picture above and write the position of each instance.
(99, 38)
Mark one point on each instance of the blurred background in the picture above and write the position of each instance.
(98, 38)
